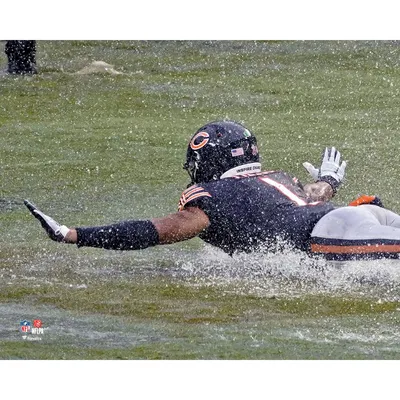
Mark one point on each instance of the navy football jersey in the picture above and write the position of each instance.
(260, 209)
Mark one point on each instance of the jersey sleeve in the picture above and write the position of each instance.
(193, 197)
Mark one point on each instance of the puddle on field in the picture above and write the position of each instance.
(287, 275)
(347, 337)
(72, 329)
(7, 205)
(292, 274)
(327, 338)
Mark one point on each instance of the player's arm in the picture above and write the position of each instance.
(182, 225)
(327, 178)
(319, 191)
(128, 235)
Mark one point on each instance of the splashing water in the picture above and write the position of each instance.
(292, 273)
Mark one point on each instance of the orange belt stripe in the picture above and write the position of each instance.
(361, 249)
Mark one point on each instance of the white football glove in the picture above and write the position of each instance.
(55, 231)
(331, 170)
(314, 172)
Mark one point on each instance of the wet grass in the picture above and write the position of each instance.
(204, 323)
(173, 303)
(94, 149)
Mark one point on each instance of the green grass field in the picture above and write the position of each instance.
(98, 148)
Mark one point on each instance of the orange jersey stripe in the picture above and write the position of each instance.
(360, 249)
(195, 196)
(191, 195)
(191, 190)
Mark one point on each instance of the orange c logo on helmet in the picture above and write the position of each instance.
(205, 138)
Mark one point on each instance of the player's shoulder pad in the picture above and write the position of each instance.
(190, 194)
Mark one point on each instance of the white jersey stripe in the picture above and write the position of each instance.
(283, 189)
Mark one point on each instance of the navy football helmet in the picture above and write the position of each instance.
(216, 148)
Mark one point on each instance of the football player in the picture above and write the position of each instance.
(234, 205)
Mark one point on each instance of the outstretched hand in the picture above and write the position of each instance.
(331, 170)
(53, 229)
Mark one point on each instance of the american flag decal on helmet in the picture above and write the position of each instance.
(190, 194)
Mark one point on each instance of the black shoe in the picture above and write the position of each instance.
(19, 69)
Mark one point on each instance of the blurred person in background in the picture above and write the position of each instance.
(21, 55)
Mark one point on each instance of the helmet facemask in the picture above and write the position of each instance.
(192, 166)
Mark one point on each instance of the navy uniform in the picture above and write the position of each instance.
(250, 210)
(21, 56)
(247, 209)
(253, 211)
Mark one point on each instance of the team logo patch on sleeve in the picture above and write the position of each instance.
(190, 194)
